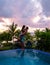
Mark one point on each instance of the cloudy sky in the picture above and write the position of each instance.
(32, 13)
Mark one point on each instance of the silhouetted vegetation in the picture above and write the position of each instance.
(42, 41)
(9, 34)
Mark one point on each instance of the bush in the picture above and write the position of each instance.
(6, 48)
(7, 44)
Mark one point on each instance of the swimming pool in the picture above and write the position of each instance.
(26, 57)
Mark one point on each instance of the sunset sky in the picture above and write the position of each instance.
(33, 13)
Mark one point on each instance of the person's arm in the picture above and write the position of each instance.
(24, 32)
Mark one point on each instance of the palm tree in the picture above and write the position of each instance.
(18, 32)
(12, 29)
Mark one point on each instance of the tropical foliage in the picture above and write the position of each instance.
(9, 34)
(12, 29)
(43, 39)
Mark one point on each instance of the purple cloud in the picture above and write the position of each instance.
(24, 10)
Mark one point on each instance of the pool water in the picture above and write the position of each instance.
(24, 57)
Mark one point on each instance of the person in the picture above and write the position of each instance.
(26, 30)
(21, 33)
(22, 36)
(22, 30)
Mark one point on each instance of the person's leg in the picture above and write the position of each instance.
(22, 46)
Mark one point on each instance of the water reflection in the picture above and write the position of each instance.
(20, 53)
(29, 52)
